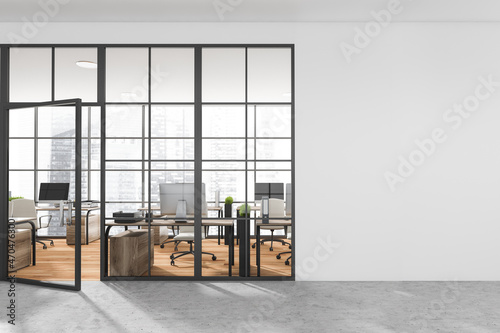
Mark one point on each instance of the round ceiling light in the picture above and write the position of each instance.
(86, 64)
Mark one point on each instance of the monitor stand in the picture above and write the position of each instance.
(180, 214)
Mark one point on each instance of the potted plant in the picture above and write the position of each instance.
(244, 210)
(14, 198)
(228, 207)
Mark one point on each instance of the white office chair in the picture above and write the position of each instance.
(186, 234)
(26, 208)
(276, 210)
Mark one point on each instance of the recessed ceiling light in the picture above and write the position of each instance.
(86, 64)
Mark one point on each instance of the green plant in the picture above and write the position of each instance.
(244, 210)
(228, 201)
(14, 198)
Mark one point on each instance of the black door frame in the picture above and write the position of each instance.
(4, 170)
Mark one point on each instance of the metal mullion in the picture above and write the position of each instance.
(53, 73)
(143, 171)
(293, 158)
(35, 176)
(149, 162)
(4, 155)
(198, 160)
(89, 152)
(244, 242)
(101, 99)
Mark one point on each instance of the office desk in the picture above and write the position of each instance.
(218, 209)
(84, 209)
(272, 223)
(212, 208)
(172, 223)
(21, 220)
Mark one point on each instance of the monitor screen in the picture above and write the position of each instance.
(170, 194)
(53, 191)
(271, 190)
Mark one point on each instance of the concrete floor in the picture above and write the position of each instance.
(257, 307)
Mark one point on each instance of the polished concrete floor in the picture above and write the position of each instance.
(257, 307)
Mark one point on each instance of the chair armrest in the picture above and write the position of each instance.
(41, 225)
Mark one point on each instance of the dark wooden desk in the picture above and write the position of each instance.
(172, 223)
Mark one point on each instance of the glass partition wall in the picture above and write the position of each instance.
(176, 140)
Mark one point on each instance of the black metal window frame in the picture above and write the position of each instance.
(198, 104)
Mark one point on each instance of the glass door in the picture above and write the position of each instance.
(44, 143)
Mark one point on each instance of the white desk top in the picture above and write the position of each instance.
(51, 208)
(158, 208)
(22, 219)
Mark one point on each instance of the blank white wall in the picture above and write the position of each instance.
(353, 120)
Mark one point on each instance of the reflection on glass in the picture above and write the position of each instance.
(172, 78)
(21, 184)
(223, 149)
(123, 186)
(30, 74)
(72, 81)
(21, 154)
(56, 154)
(172, 121)
(172, 149)
(124, 121)
(124, 149)
(223, 75)
(22, 123)
(56, 122)
(223, 121)
(273, 121)
(274, 149)
(127, 74)
(269, 75)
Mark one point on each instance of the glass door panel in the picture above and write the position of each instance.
(43, 249)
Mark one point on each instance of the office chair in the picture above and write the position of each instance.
(276, 210)
(186, 234)
(287, 261)
(26, 208)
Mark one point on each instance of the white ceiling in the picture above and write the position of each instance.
(249, 10)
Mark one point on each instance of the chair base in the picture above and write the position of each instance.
(45, 246)
(287, 261)
(173, 256)
(272, 241)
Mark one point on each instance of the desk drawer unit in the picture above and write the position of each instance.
(129, 253)
(94, 230)
(22, 250)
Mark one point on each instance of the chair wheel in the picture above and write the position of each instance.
(287, 262)
(278, 257)
(290, 247)
(270, 249)
(52, 243)
(45, 247)
(172, 263)
(253, 246)
(172, 257)
(214, 258)
(162, 246)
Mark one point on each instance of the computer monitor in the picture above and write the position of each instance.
(270, 190)
(170, 194)
(53, 192)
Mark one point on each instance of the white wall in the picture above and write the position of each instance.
(353, 121)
